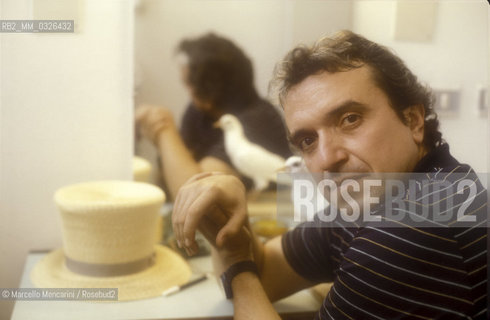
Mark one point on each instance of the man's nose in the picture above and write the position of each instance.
(330, 155)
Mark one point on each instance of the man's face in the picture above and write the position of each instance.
(342, 122)
(198, 103)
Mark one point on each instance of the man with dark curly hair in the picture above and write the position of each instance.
(219, 78)
(352, 107)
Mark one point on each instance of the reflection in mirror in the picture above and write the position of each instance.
(265, 31)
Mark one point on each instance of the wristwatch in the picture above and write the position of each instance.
(235, 269)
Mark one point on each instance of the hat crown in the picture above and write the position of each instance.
(141, 169)
(109, 222)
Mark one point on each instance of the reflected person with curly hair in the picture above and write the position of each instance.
(219, 78)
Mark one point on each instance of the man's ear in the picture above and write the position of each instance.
(414, 117)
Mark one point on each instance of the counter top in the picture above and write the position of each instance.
(205, 300)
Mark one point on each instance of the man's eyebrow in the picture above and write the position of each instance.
(332, 115)
(296, 136)
(349, 105)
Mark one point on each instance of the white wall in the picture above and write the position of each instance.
(457, 56)
(66, 116)
(313, 19)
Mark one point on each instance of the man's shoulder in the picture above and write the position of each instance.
(196, 122)
(438, 159)
(191, 113)
(451, 194)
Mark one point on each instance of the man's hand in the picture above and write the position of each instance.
(215, 204)
(153, 120)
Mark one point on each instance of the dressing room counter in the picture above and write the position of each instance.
(204, 300)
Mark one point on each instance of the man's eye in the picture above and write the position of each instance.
(306, 143)
(350, 120)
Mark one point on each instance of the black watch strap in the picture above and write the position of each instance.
(237, 268)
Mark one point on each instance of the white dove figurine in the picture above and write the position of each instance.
(250, 159)
(296, 167)
(295, 164)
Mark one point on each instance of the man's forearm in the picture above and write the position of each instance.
(179, 165)
(249, 298)
(177, 162)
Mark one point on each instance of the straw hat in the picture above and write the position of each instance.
(108, 242)
(141, 169)
(141, 173)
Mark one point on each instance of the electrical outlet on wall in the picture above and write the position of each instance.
(447, 102)
(483, 101)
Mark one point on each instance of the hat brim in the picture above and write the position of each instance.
(169, 269)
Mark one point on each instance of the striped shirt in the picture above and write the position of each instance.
(395, 270)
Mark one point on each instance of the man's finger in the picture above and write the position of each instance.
(203, 175)
(178, 214)
(201, 206)
(232, 227)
